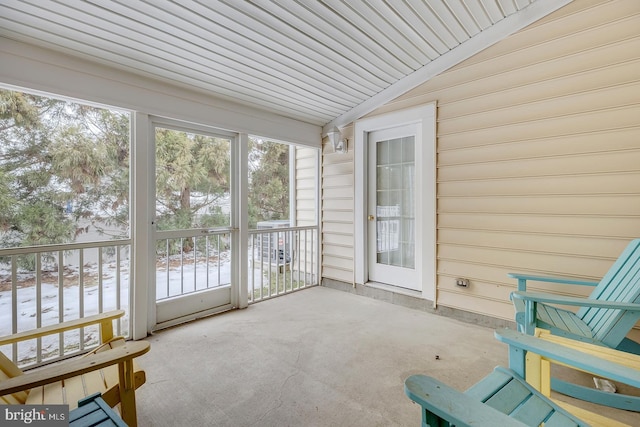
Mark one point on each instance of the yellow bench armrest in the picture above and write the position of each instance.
(73, 367)
(103, 319)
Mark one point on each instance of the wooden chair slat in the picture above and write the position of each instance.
(509, 397)
(533, 411)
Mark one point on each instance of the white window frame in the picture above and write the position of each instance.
(425, 118)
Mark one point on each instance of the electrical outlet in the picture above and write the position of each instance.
(464, 283)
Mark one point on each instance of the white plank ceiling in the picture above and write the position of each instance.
(319, 61)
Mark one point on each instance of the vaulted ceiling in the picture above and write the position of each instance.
(324, 62)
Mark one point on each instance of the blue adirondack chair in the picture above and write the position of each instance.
(604, 318)
(502, 399)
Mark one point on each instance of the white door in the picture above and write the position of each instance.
(392, 208)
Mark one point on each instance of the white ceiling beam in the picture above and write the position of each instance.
(29, 67)
(481, 41)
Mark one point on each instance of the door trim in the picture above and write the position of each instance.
(425, 117)
(182, 308)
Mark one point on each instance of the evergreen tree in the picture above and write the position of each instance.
(268, 181)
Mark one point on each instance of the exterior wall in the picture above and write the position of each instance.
(305, 182)
(306, 194)
(337, 214)
(538, 166)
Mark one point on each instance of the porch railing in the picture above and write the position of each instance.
(44, 285)
(192, 261)
(282, 260)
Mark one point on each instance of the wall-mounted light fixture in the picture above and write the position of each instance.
(338, 143)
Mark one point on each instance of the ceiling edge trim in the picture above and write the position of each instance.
(33, 68)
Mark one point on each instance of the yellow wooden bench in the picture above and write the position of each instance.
(109, 369)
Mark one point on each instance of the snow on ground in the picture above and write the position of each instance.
(169, 283)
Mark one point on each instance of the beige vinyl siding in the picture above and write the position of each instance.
(305, 181)
(337, 214)
(306, 165)
(538, 154)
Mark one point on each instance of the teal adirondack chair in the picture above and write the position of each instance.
(604, 318)
(502, 399)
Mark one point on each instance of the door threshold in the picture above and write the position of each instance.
(394, 289)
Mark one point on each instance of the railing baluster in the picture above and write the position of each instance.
(61, 300)
(219, 259)
(206, 254)
(118, 289)
(81, 296)
(14, 304)
(38, 305)
(195, 263)
(100, 282)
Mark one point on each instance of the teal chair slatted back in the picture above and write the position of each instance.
(621, 284)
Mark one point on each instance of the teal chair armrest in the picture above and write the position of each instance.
(442, 402)
(539, 297)
(522, 280)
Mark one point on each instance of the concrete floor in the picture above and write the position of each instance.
(319, 357)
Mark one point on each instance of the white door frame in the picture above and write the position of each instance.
(425, 117)
(191, 306)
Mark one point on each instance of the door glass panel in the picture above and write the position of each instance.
(192, 180)
(395, 210)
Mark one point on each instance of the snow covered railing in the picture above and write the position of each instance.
(45, 285)
(282, 260)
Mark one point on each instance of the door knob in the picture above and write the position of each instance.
(371, 217)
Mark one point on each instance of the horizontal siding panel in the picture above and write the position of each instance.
(338, 262)
(557, 205)
(337, 239)
(449, 270)
(571, 18)
(345, 193)
(615, 161)
(608, 184)
(338, 169)
(306, 195)
(338, 216)
(330, 272)
(306, 174)
(582, 102)
(337, 205)
(473, 304)
(306, 163)
(566, 225)
(617, 139)
(484, 279)
(338, 251)
(560, 245)
(331, 157)
(337, 227)
(543, 263)
(477, 288)
(471, 83)
(534, 61)
(572, 124)
(337, 181)
(550, 91)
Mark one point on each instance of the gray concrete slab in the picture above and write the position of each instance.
(319, 357)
